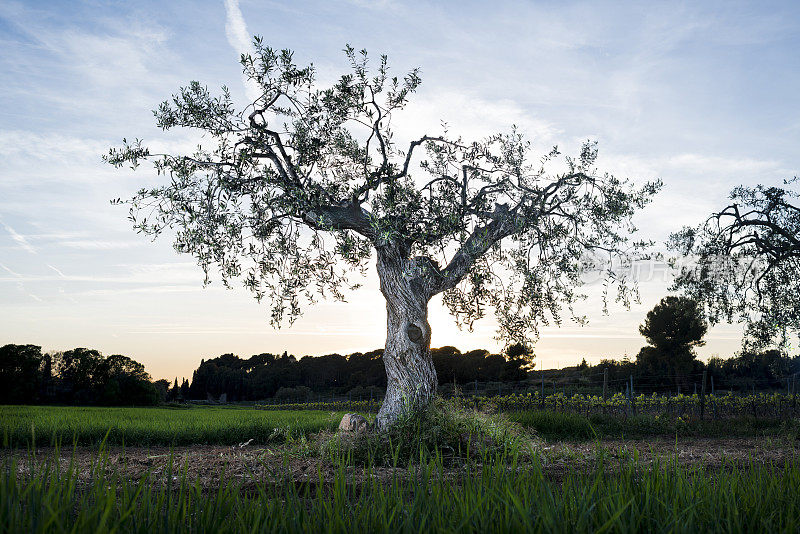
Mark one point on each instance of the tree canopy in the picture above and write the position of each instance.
(746, 263)
(675, 324)
(77, 376)
(674, 327)
(292, 193)
(20, 375)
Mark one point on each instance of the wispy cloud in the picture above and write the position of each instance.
(94, 244)
(241, 41)
(470, 116)
(62, 275)
(150, 289)
(126, 57)
(47, 145)
(18, 238)
(190, 279)
(73, 159)
(19, 280)
(374, 4)
(13, 273)
(704, 163)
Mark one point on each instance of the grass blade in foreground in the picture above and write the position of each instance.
(499, 497)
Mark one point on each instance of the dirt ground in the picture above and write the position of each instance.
(252, 464)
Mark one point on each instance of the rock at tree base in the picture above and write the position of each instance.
(352, 422)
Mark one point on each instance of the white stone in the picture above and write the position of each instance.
(352, 422)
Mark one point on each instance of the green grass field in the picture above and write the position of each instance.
(229, 425)
(501, 496)
(48, 425)
(294, 487)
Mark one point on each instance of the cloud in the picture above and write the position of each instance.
(53, 158)
(694, 183)
(19, 239)
(61, 149)
(148, 290)
(701, 164)
(62, 275)
(72, 69)
(49, 146)
(470, 116)
(13, 273)
(240, 39)
(374, 4)
(94, 244)
(18, 279)
(151, 275)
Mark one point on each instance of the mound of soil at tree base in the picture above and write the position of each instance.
(253, 465)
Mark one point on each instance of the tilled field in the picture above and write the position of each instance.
(208, 465)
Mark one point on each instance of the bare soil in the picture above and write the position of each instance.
(250, 465)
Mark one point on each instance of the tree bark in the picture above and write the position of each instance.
(411, 376)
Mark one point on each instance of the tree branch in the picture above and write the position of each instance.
(476, 245)
(343, 217)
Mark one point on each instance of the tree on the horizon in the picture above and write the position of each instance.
(78, 370)
(21, 373)
(745, 263)
(295, 192)
(673, 328)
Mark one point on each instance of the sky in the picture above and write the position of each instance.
(702, 95)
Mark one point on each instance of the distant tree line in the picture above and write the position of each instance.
(77, 376)
(85, 377)
(362, 374)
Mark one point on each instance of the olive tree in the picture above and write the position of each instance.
(296, 191)
(745, 263)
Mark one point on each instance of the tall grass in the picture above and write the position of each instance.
(22, 426)
(483, 497)
(445, 428)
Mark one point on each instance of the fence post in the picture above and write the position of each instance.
(703, 397)
(627, 398)
(794, 392)
(712, 384)
(542, 399)
(476, 386)
(605, 384)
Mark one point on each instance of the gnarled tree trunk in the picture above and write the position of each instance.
(411, 377)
